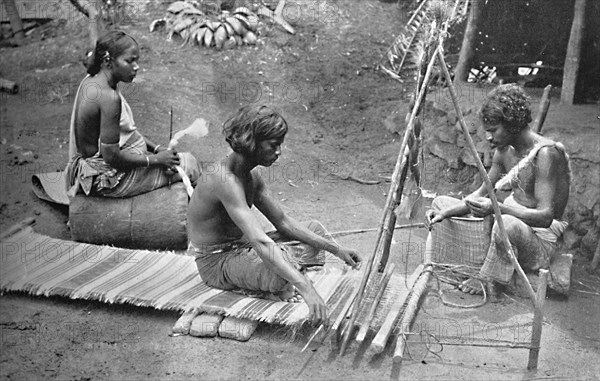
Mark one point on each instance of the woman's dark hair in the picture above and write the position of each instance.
(507, 105)
(252, 124)
(109, 46)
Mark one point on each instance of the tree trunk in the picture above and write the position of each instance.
(467, 50)
(571, 68)
(15, 20)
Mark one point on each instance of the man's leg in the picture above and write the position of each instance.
(303, 254)
(246, 270)
(443, 202)
(531, 252)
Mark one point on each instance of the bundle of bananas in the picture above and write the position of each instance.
(223, 31)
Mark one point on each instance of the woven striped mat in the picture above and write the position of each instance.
(41, 265)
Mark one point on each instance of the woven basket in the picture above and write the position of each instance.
(461, 241)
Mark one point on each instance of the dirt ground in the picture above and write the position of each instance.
(324, 81)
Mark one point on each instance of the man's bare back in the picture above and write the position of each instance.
(524, 191)
(208, 220)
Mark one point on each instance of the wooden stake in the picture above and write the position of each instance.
(380, 340)
(543, 110)
(390, 198)
(362, 333)
(486, 179)
(413, 304)
(538, 320)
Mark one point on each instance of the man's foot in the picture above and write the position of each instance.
(473, 286)
(290, 295)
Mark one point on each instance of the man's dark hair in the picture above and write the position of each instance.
(507, 105)
(252, 124)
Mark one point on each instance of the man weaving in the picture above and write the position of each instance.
(535, 170)
(231, 249)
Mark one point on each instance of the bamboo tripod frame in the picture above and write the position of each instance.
(398, 179)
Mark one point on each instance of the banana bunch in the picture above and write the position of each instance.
(225, 31)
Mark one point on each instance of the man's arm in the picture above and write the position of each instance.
(293, 229)
(110, 116)
(544, 191)
(233, 198)
(462, 208)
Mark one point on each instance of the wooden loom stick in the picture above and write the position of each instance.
(538, 317)
(338, 320)
(486, 180)
(323, 325)
(413, 303)
(378, 343)
(389, 230)
(543, 110)
(391, 195)
(362, 333)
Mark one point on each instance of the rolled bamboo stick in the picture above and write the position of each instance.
(486, 179)
(362, 332)
(538, 317)
(380, 340)
(391, 194)
(413, 303)
(543, 110)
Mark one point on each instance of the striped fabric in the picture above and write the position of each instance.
(47, 266)
(42, 265)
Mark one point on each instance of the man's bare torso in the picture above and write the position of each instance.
(208, 220)
(524, 191)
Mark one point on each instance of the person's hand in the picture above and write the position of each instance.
(349, 256)
(317, 310)
(168, 158)
(160, 149)
(480, 206)
(433, 217)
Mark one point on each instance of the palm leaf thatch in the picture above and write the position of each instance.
(410, 50)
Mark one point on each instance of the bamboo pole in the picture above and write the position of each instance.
(389, 231)
(413, 304)
(538, 319)
(356, 231)
(390, 197)
(486, 180)
(362, 332)
(378, 343)
(543, 110)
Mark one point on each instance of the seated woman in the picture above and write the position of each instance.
(107, 155)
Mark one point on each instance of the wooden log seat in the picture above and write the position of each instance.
(155, 220)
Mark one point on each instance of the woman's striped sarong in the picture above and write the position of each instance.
(96, 177)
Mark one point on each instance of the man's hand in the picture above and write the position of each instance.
(317, 310)
(480, 206)
(349, 256)
(433, 217)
